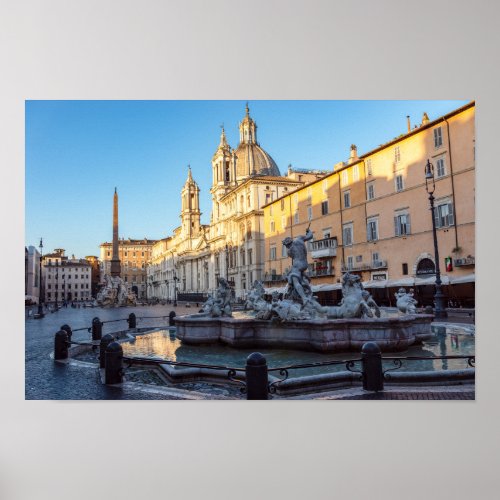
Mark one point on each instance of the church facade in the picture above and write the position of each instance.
(232, 245)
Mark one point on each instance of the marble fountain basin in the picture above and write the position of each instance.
(392, 334)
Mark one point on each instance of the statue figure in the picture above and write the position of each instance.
(220, 305)
(116, 293)
(255, 295)
(370, 302)
(353, 305)
(297, 279)
(406, 302)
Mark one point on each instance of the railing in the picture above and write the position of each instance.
(273, 277)
(255, 382)
(376, 264)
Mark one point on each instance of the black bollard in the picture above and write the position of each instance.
(105, 341)
(61, 345)
(114, 364)
(132, 320)
(257, 376)
(171, 317)
(68, 330)
(373, 376)
(96, 329)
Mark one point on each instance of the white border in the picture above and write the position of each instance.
(229, 49)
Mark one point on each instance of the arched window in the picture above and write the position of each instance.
(426, 267)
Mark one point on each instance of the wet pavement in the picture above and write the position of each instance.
(47, 380)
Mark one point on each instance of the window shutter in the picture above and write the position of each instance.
(396, 226)
(451, 215)
(436, 216)
(368, 232)
(408, 228)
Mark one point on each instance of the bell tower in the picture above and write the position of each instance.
(190, 213)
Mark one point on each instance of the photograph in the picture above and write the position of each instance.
(250, 250)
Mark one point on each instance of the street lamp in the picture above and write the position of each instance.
(57, 283)
(430, 186)
(40, 293)
(176, 279)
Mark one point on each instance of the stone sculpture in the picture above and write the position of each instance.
(299, 303)
(406, 302)
(116, 293)
(220, 305)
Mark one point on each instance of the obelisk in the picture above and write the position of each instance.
(115, 259)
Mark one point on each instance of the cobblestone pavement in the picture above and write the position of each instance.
(48, 380)
(414, 396)
(72, 381)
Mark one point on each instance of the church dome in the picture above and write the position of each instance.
(251, 159)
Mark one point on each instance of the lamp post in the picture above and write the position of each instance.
(430, 186)
(57, 283)
(176, 279)
(40, 293)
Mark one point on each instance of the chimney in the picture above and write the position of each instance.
(354, 153)
(425, 119)
(408, 122)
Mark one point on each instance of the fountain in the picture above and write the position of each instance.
(116, 293)
(298, 321)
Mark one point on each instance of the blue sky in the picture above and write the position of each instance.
(78, 151)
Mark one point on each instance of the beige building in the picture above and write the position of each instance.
(371, 216)
(134, 256)
(232, 245)
(65, 278)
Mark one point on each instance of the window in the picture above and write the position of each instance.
(397, 155)
(324, 207)
(444, 215)
(371, 191)
(399, 183)
(283, 221)
(309, 195)
(441, 171)
(268, 198)
(273, 228)
(296, 200)
(350, 262)
(345, 178)
(296, 217)
(369, 166)
(250, 260)
(272, 253)
(438, 137)
(309, 213)
(359, 258)
(402, 224)
(271, 209)
(282, 203)
(347, 235)
(355, 173)
(325, 185)
(347, 199)
(283, 251)
(109, 253)
(372, 230)
(375, 257)
(405, 268)
(126, 254)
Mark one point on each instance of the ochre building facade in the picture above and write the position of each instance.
(371, 216)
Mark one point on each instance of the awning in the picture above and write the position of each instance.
(270, 291)
(468, 278)
(431, 280)
(403, 282)
(375, 284)
(327, 287)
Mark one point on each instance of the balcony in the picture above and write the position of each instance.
(324, 248)
(326, 271)
(467, 261)
(376, 264)
(273, 278)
